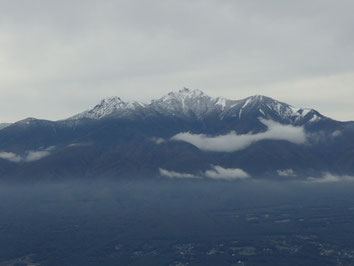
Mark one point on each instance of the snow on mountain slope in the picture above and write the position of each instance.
(269, 108)
(4, 125)
(195, 103)
(190, 102)
(108, 107)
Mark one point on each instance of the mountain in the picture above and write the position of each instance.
(4, 125)
(184, 134)
(110, 107)
(188, 103)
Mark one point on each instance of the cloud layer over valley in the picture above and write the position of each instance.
(29, 156)
(330, 178)
(173, 174)
(233, 142)
(216, 172)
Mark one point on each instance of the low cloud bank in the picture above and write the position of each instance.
(328, 178)
(233, 142)
(36, 155)
(79, 144)
(217, 172)
(10, 156)
(158, 140)
(29, 156)
(337, 133)
(173, 174)
(286, 172)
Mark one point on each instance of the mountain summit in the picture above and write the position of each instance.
(187, 103)
(107, 107)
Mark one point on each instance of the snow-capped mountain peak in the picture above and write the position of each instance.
(108, 106)
(186, 102)
(183, 94)
(272, 109)
(4, 125)
(195, 103)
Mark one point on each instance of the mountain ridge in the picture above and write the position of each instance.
(185, 133)
(188, 102)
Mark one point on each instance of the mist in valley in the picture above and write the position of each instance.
(166, 222)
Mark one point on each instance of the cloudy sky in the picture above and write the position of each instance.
(58, 58)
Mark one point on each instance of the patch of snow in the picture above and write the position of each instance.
(246, 103)
(277, 107)
(314, 119)
(188, 102)
(294, 110)
(4, 125)
(222, 102)
(108, 106)
(305, 111)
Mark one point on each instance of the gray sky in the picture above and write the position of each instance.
(58, 58)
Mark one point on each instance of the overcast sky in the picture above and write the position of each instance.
(58, 58)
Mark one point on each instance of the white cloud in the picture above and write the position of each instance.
(29, 156)
(329, 178)
(10, 156)
(173, 174)
(337, 133)
(35, 155)
(79, 144)
(286, 172)
(219, 172)
(216, 172)
(158, 140)
(233, 142)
